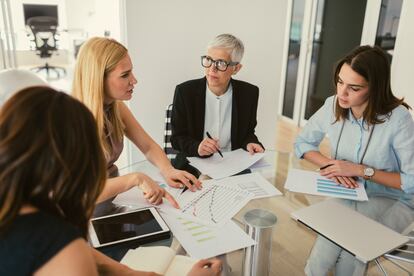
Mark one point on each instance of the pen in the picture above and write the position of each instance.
(209, 136)
(186, 188)
(324, 167)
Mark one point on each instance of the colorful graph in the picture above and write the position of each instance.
(253, 188)
(200, 233)
(217, 204)
(329, 187)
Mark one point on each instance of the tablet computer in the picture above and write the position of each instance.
(140, 226)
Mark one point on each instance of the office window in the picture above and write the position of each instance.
(388, 25)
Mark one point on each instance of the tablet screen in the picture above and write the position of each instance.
(125, 226)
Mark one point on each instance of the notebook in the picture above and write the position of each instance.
(159, 259)
(363, 237)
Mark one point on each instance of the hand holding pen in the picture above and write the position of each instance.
(340, 171)
(209, 146)
(324, 167)
(209, 136)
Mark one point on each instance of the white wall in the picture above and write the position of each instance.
(167, 38)
(403, 59)
(94, 17)
(80, 14)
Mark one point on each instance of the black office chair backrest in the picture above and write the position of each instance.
(44, 32)
(168, 149)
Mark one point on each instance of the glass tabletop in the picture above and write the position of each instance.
(291, 242)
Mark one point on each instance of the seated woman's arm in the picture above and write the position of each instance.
(307, 142)
(181, 139)
(154, 153)
(73, 259)
(152, 191)
(403, 148)
(251, 142)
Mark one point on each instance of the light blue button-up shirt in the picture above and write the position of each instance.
(391, 147)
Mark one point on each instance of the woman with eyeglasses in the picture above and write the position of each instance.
(371, 133)
(216, 113)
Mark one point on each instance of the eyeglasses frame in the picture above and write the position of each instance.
(231, 63)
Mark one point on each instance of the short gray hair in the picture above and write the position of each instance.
(228, 41)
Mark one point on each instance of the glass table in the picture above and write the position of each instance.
(291, 242)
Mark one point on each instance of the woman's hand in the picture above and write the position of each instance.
(153, 192)
(346, 181)
(210, 267)
(252, 148)
(178, 179)
(343, 172)
(208, 146)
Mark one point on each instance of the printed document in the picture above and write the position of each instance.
(310, 182)
(202, 241)
(252, 182)
(231, 163)
(214, 204)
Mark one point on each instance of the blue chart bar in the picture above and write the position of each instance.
(330, 187)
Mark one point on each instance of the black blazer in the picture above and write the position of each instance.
(187, 118)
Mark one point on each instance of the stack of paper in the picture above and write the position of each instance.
(231, 163)
(203, 226)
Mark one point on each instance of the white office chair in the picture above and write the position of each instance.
(13, 80)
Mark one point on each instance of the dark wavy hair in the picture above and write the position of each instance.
(372, 64)
(50, 157)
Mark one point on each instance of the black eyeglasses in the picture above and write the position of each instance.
(220, 64)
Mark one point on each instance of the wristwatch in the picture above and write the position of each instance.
(368, 173)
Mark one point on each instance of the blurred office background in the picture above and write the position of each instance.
(291, 46)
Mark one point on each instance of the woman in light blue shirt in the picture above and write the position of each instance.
(371, 134)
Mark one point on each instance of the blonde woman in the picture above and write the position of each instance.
(103, 80)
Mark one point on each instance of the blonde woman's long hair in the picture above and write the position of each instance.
(96, 59)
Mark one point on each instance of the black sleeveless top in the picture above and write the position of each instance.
(31, 241)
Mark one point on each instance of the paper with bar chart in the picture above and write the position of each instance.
(202, 241)
(310, 182)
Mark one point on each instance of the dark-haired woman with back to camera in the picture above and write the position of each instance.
(52, 170)
(50, 177)
(371, 134)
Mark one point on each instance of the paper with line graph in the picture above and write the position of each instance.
(310, 182)
(252, 182)
(214, 204)
(202, 241)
